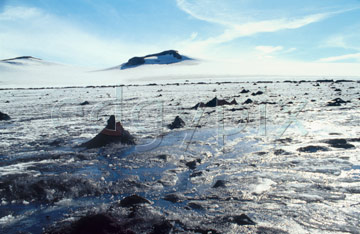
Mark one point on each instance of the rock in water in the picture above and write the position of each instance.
(240, 220)
(177, 123)
(4, 116)
(220, 184)
(339, 143)
(112, 133)
(312, 149)
(162, 228)
(133, 200)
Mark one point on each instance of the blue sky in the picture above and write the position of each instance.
(106, 33)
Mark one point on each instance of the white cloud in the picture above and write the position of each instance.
(20, 13)
(268, 49)
(355, 56)
(37, 33)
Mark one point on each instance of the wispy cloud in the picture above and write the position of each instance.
(237, 27)
(355, 56)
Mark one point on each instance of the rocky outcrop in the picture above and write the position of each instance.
(137, 61)
(214, 102)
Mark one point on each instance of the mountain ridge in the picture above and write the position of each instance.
(165, 57)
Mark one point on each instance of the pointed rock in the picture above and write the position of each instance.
(112, 133)
(4, 116)
(177, 123)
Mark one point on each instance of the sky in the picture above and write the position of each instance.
(105, 33)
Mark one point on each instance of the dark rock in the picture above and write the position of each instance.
(84, 103)
(195, 206)
(245, 91)
(98, 224)
(162, 228)
(220, 184)
(191, 165)
(196, 174)
(4, 116)
(339, 143)
(135, 61)
(111, 123)
(312, 149)
(162, 156)
(257, 93)
(338, 90)
(325, 81)
(239, 220)
(248, 101)
(341, 81)
(284, 140)
(215, 102)
(268, 230)
(46, 188)
(177, 123)
(281, 152)
(174, 197)
(336, 102)
(113, 133)
(133, 200)
(200, 104)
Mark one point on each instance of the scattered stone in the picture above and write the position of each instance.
(191, 165)
(177, 123)
(133, 200)
(215, 102)
(239, 220)
(312, 149)
(245, 91)
(220, 184)
(4, 116)
(248, 101)
(84, 103)
(339, 143)
(338, 90)
(112, 133)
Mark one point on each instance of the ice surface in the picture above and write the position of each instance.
(252, 148)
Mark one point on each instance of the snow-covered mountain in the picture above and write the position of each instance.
(162, 58)
(24, 60)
